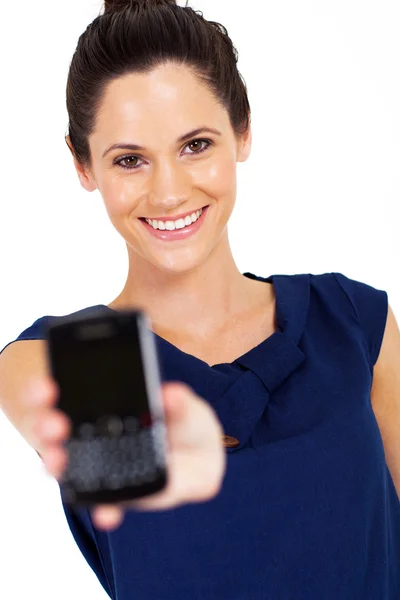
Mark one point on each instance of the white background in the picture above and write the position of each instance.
(319, 193)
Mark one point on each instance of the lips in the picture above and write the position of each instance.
(176, 234)
(165, 219)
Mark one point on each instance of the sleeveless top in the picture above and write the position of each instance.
(308, 509)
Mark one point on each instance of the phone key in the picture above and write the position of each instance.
(86, 430)
(131, 424)
(115, 425)
(110, 444)
(115, 481)
(114, 462)
(80, 482)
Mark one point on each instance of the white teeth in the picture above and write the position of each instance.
(179, 224)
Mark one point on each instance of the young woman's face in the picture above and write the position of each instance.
(167, 177)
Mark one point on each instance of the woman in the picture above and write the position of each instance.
(308, 509)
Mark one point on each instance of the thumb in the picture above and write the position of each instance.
(175, 396)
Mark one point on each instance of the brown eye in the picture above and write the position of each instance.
(196, 143)
(125, 164)
(128, 159)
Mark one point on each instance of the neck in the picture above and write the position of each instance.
(198, 301)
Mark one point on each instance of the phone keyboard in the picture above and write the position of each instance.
(115, 462)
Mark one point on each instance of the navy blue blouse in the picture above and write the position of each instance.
(308, 509)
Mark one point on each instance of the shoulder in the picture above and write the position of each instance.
(362, 307)
(39, 328)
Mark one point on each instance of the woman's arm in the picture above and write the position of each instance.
(19, 362)
(385, 396)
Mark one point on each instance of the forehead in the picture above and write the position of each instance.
(167, 92)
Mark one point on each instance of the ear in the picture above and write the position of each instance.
(244, 146)
(85, 177)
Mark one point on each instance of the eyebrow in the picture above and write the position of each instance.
(126, 146)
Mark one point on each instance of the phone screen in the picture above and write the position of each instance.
(107, 370)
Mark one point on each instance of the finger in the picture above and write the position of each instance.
(55, 459)
(40, 391)
(157, 501)
(175, 398)
(178, 388)
(107, 516)
(43, 426)
(52, 426)
(188, 416)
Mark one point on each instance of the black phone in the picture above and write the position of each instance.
(107, 368)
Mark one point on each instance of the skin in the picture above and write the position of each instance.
(197, 276)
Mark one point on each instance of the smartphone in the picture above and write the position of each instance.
(107, 369)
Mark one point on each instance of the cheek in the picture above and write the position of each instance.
(119, 195)
(218, 178)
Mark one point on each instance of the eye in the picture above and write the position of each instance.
(119, 162)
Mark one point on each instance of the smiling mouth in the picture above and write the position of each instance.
(173, 219)
(181, 233)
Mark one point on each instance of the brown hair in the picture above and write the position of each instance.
(135, 36)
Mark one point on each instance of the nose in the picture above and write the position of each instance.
(169, 185)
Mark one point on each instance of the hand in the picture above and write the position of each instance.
(196, 460)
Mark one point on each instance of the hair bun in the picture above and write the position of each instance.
(111, 5)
